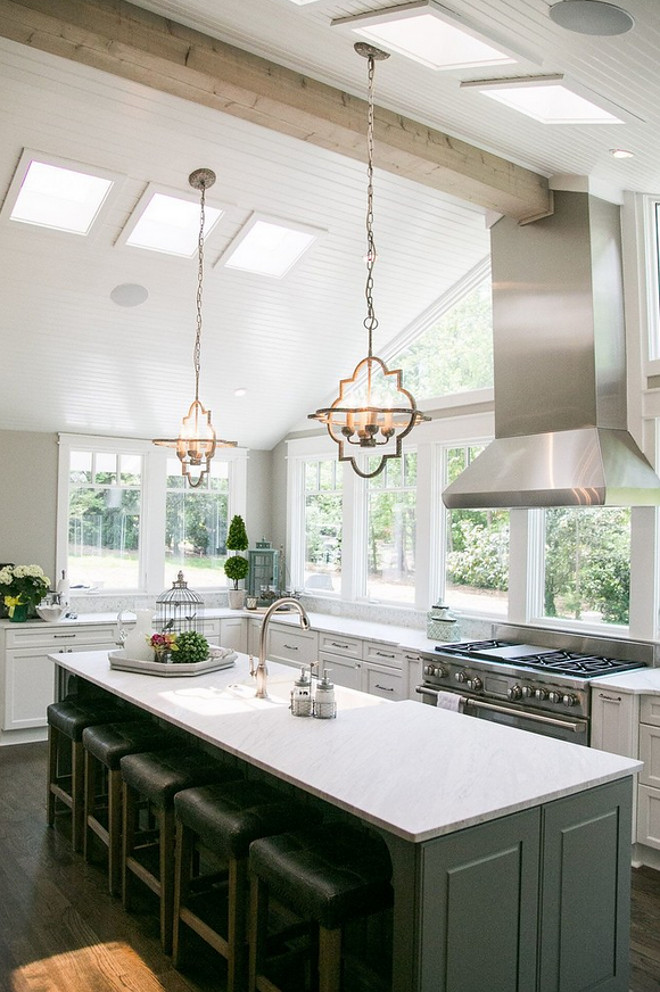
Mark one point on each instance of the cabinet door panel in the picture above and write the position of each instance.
(343, 671)
(480, 891)
(586, 891)
(29, 689)
(383, 682)
(613, 722)
(648, 816)
(233, 634)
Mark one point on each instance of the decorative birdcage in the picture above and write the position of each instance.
(179, 608)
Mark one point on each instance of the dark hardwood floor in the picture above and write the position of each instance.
(61, 931)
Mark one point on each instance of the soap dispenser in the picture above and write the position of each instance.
(325, 705)
(301, 695)
(63, 590)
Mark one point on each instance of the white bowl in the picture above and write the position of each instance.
(51, 613)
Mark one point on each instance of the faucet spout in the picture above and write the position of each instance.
(262, 670)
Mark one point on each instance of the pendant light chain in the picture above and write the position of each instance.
(200, 280)
(370, 321)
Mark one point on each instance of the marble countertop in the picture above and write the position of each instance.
(641, 681)
(413, 770)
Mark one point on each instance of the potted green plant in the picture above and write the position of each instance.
(236, 566)
(22, 588)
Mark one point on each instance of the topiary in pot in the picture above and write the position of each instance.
(236, 568)
(237, 539)
(191, 647)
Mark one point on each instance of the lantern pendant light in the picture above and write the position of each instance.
(373, 410)
(196, 443)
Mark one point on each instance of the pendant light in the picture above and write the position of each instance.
(196, 443)
(373, 410)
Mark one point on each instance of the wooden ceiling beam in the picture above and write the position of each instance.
(135, 44)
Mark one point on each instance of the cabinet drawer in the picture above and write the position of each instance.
(381, 654)
(650, 710)
(342, 671)
(349, 647)
(52, 636)
(290, 645)
(380, 681)
(648, 816)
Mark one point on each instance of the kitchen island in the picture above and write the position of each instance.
(491, 830)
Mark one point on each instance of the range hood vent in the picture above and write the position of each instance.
(561, 433)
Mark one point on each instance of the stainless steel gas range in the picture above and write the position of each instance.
(518, 680)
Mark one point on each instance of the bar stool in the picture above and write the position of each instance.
(103, 747)
(222, 820)
(152, 780)
(66, 722)
(327, 875)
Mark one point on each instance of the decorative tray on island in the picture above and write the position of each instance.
(218, 658)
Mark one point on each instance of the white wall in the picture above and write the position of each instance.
(28, 499)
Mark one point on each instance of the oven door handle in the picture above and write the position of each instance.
(480, 704)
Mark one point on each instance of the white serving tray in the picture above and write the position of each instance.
(220, 658)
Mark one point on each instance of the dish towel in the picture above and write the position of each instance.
(450, 701)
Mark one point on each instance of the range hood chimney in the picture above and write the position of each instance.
(561, 436)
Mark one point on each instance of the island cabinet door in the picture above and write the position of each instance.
(479, 907)
(586, 891)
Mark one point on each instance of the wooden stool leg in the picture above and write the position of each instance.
(77, 794)
(166, 853)
(114, 831)
(53, 745)
(184, 860)
(329, 960)
(237, 924)
(129, 809)
(258, 932)
(89, 803)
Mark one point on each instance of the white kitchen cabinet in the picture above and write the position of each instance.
(648, 816)
(342, 658)
(28, 677)
(379, 680)
(233, 633)
(381, 654)
(253, 636)
(614, 721)
(292, 645)
(413, 673)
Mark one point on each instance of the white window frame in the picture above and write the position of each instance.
(151, 562)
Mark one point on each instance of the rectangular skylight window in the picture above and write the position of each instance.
(58, 197)
(546, 99)
(169, 223)
(269, 247)
(428, 33)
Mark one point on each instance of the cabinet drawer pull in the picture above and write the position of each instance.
(411, 657)
(384, 688)
(384, 654)
(291, 647)
(336, 644)
(61, 636)
(613, 699)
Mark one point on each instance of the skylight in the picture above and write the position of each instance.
(58, 197)
(430, 34)
(169, 223)
(269, 247)
(546, 99)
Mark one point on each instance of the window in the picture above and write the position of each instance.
(391, 530)
(476, 548)
(127, 522)
(104, 510)
(323, 510)
(587, 564)
(455, 353)
(196, 522)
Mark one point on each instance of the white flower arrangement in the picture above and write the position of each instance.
(21, 585)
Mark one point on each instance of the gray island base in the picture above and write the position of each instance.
(511, 852)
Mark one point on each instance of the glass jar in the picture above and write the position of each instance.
(442, 625)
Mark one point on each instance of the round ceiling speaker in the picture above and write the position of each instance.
(591, 17)
(129, 294)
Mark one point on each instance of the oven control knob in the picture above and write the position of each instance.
(436, 670)
(475, 684)
(461, 677)
(555, 697)
(527, 692)
(540, 694)
(515, 692)
(570, 700)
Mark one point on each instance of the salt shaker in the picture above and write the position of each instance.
(301, 695)
(325, 706)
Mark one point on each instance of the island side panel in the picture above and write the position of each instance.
(479, 891)
(585, 907)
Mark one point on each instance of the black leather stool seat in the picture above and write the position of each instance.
(110, 742)
(156, 777)
(159, 775)
(229, 816)
(329, 874)
(71, 716)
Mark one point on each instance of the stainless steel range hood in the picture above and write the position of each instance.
(561, 436)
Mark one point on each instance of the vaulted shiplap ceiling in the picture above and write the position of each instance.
(74, 361)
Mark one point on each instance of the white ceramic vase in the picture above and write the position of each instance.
(136, 644)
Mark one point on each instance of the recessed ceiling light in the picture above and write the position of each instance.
(300, 3)
(621, 153)
(241, 391)
(268, 246)
(546, 99)
(591, 17)
(59, 197)
(167, 222)
(428, 33)
(129, 294)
